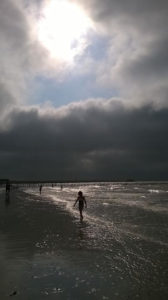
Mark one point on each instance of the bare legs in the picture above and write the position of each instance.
(81, 216)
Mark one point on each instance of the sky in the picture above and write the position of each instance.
(84, 90)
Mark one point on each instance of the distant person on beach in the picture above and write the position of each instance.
(7, 199)
(7, 187)
(81, 199)
(40, 188)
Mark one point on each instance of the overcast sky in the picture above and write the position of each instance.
(84, 89)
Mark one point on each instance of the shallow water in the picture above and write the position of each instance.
(119, 251)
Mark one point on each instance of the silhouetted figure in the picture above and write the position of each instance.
(7, 198)
(82, 201)
(7, 187)
(40, 188)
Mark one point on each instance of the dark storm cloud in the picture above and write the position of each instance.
(103, 140)
(94, 139)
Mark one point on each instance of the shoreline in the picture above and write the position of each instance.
(43, 251)
(46, 252)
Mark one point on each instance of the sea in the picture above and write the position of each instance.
(118, 251)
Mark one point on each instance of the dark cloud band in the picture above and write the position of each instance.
(89, 141)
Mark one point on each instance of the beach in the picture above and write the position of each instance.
(119, 251)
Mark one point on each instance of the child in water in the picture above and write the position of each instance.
(82, 201)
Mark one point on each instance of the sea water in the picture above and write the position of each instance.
(119, 250)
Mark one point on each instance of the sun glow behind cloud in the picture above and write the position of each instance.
(62, 29)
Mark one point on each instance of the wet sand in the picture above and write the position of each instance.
(40, 252)
(45, 253)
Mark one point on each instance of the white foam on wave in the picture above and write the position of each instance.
(31, 191)
(96, 222)
(65, 204)
(154, 191)
(143, 204)
(69, 206)
(64, 200)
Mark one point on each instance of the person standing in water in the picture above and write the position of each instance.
(40, 188)
(81, 199)
(8, 188)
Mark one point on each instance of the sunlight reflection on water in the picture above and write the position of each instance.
(119, 251)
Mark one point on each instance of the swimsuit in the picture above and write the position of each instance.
(81, 203)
